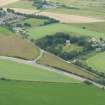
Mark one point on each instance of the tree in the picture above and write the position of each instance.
(10, 10)
(27, 24)
(19, 25)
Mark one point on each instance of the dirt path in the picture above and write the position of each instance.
(6, 2)
(41, 54)
(33, 63)
(63, 18)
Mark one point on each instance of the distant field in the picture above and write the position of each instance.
(21, 4)
(39, 32)
(98, 26)
(81, 12)
(65, 1)
(84, 7)
(64, 18)
(34, 93)
(5, 2)
(54, 61)
(16, 71)
(97, 61)
(13, 45)
(83, 3)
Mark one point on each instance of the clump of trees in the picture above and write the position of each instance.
(23, 25)
(55, 43)
(101, 81)
(10, 10)
(39, 3)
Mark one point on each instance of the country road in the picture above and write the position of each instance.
(33, 63)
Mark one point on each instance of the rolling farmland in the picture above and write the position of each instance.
(52, 52)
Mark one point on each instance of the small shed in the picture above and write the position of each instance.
(68, 42)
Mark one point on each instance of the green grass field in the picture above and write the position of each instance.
(16, 71)
(5, 32)
(39, 93)
(39, 32)
(98, 27)
(33, 22)
(97, 61)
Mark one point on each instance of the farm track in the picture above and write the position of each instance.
(33, 63)
(41, 54)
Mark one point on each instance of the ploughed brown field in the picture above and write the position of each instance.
(17, 47)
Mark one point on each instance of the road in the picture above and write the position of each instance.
(33, 63)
